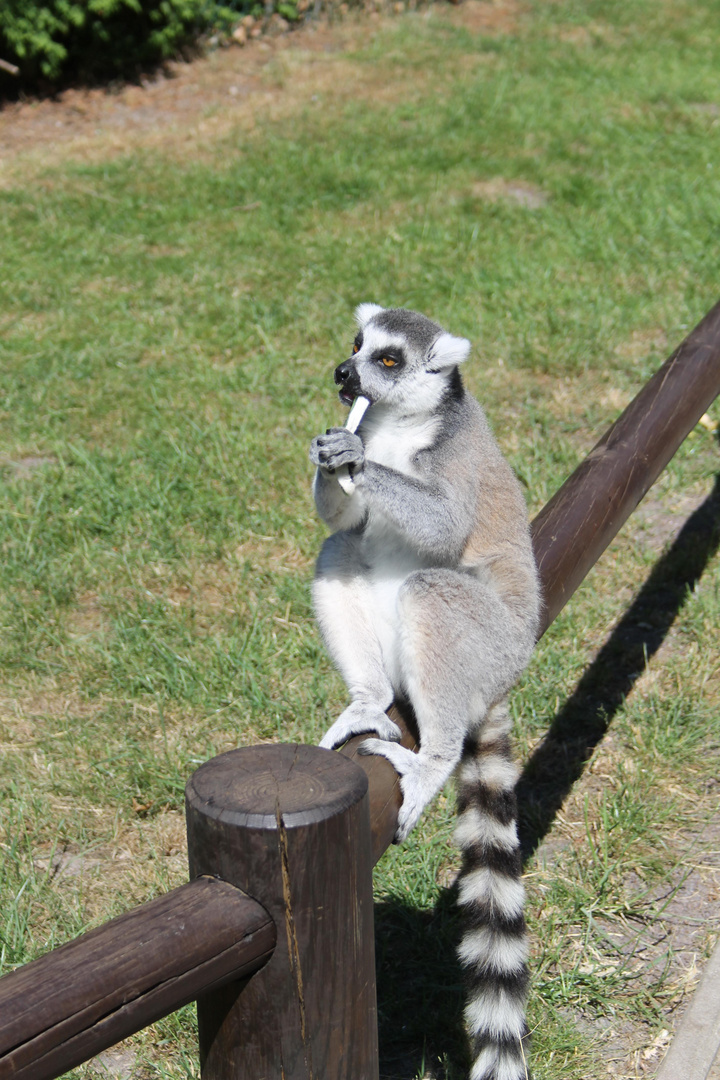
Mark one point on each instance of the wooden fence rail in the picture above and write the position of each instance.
(299, 829)
(83, 997)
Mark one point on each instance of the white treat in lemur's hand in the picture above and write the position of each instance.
(358, 410)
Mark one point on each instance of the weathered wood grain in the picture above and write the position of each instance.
(64, 1008)
(291, 824)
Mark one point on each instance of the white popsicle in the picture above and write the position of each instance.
(358, 410)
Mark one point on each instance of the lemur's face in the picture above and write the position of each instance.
(399, 358)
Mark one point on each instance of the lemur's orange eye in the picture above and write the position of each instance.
(388, 362)
(355, 348)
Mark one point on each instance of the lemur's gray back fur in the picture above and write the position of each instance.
(427, 590)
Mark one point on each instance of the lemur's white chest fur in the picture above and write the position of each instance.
(389, 555)
(394, 441)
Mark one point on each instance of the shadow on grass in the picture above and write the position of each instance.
(579, 726)
(420, 990)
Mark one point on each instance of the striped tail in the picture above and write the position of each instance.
(494, 947)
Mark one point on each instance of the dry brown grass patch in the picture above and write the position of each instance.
(487, 16)
(135, 858)
(642, 343)
(520, 192)
(86, 618)
(593, 33)
(37, 698)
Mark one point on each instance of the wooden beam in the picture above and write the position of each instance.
(290, 824)
(64, 1008)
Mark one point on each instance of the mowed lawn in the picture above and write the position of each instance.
(175, 291)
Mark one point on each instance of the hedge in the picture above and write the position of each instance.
(52, 41)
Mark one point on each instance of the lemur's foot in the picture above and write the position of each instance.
(359, 719)
(420, 781)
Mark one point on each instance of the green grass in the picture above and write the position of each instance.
(166, 358)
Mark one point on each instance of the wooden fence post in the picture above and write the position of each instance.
(290, 825)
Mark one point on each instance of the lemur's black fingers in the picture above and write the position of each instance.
(339, 435)
(335, 448)
(335, 461)
(317, 453)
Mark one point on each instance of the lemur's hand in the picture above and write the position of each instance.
(337, 447)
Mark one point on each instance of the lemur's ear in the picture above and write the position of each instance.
(448, 351)
(365, 312)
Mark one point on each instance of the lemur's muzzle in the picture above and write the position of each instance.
(347, 379)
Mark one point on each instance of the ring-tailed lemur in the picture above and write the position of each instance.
(427, 591)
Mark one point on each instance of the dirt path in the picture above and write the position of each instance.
(193, 103)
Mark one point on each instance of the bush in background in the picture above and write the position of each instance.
(52, 41)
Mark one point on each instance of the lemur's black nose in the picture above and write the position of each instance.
(342, 374)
